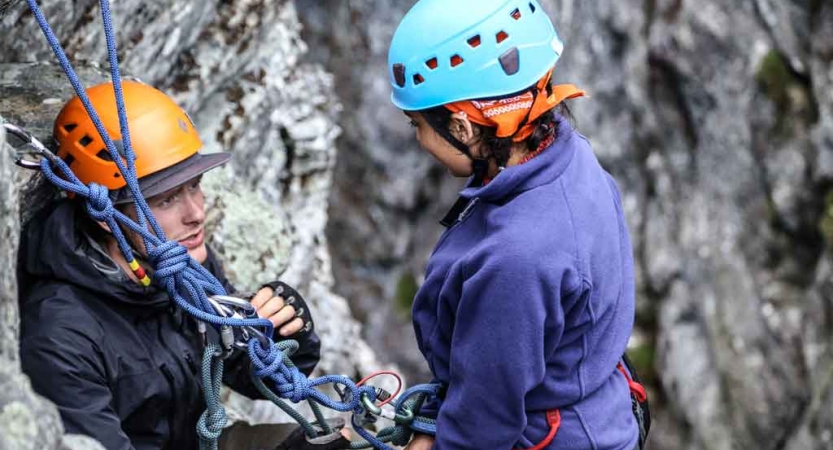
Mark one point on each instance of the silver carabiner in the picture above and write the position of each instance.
(31, 142)
(237, 308)
(236, 303)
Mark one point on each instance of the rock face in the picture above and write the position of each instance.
(234, 66)
(27, 421)
(715, 118)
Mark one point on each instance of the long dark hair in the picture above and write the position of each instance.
(495, 148)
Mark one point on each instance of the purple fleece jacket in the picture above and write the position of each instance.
(527, 305)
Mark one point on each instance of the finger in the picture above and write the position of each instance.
(283, 316)
(292, 327)
(271, 307)
(261, 297)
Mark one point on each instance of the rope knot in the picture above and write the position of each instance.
(169, 259)
(211, 423)
(99, 206)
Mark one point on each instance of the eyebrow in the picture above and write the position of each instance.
(176, 189)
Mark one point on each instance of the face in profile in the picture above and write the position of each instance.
(457, 163)
(180, 212)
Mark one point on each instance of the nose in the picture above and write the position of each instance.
(194, 205)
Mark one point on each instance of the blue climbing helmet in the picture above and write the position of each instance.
(450, 50)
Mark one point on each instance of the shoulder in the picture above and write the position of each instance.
(538, 224)
(531, 255)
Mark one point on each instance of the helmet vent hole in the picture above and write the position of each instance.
(502, 36)
(85, 141)
(418, 79)
(516, 14)
(510, 60)
(116, 175)
(474, 42)
(432, 63)
(103, 154)
(532, 8)
(456, 60)
(399, 74)
(70, 126)
(69, 159)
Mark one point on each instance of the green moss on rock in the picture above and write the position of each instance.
(406, 289)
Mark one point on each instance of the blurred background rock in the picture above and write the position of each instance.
(714, 117)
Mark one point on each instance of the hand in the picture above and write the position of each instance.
(275, 308)
(420, 442)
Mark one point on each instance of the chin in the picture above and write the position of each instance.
(199, 254)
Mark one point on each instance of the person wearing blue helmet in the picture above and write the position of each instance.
(528, 300)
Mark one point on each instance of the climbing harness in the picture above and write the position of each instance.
(195, 290)
(639, 399)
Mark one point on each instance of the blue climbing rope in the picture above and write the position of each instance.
(190, 285)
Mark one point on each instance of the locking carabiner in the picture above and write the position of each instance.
(31, 142)
(236, 337)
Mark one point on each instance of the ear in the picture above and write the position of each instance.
(462, 128)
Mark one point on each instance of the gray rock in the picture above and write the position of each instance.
(715, 118)
(26, 420)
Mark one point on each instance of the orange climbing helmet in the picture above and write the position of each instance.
(162, 136)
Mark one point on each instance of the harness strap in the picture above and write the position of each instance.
(636, 388)
(554, 421)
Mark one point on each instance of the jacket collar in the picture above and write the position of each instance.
(543, 169)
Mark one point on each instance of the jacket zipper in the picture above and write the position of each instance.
(464, 214)
(173, 416)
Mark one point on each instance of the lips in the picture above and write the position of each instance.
(193, 241)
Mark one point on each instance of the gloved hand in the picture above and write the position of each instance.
(284, 306)
(333, 441)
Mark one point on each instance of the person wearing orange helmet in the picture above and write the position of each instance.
(528, 300)
(108, 348)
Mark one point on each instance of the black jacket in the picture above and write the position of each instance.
(120, 361)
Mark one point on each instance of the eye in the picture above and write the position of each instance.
(167, 201)
(413, 123)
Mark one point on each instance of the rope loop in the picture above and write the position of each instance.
(211, 424)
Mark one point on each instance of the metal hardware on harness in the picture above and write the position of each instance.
(234, 337)
(370, 406)
(387, 412)
(30, 142)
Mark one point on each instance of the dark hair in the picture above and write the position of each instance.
(495, 148)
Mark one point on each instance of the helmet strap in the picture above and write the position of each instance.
(480, 166)
(534, 91)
